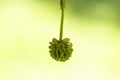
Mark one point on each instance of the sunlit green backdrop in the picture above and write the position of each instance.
(27, 27)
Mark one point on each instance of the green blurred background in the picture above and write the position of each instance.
(27, 27)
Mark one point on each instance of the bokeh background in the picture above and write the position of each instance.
(27, 27)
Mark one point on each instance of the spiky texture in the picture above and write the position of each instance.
(60, 50)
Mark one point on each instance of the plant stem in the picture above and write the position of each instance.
(62, 20)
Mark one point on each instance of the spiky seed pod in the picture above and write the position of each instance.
(60, 50)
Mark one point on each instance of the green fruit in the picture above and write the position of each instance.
(60, 50)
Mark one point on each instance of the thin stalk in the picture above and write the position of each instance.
(62, 21)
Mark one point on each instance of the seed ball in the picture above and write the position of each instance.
(60, 50)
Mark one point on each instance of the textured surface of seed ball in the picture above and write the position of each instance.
(60, 50)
